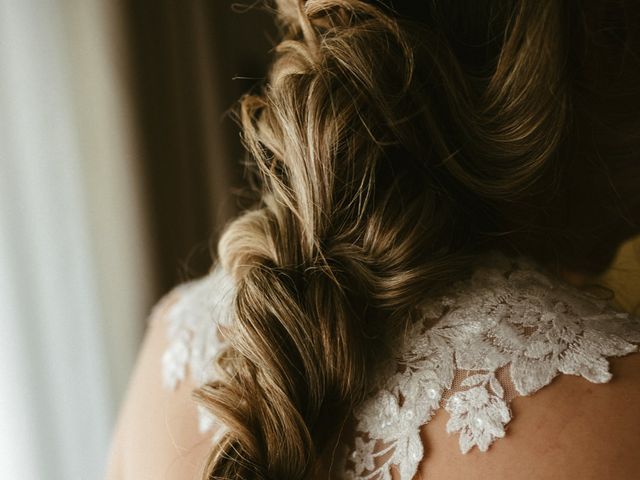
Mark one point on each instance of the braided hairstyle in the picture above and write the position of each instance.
(387, 156)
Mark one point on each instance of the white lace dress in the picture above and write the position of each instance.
(507, 330)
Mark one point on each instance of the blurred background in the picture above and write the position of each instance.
(118, 167)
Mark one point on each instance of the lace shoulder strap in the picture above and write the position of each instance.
(201, 307)
(506, 331)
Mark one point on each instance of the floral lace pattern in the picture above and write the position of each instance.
(203, 305)
(508, 315)
(507, 330)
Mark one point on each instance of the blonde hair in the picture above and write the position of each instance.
(384, 166)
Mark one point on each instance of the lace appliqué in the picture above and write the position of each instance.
(510, 319)
(193, 321)
(508, 330)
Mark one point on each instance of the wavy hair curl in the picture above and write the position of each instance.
(387, 156)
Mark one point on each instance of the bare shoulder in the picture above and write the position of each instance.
(570, 429)
(157, 434)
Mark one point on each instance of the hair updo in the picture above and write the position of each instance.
(387, 155)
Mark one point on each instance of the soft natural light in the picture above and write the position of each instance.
(60, 376)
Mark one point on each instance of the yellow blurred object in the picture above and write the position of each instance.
(623, 277)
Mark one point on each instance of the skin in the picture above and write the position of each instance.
(571, 428)
(157, 435)
(567, 430)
